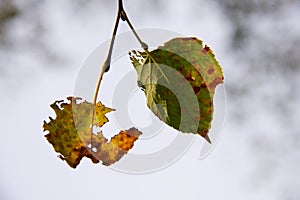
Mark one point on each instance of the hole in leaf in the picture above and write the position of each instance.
(96, 130)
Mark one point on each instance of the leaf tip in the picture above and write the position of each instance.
(207, 139)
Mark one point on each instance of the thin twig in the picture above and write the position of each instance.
(106, 64)
(121, 14)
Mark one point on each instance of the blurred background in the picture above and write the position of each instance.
(42, 46)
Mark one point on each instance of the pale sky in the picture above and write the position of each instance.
(258, 152)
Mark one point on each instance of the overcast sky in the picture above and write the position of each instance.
(43, 45)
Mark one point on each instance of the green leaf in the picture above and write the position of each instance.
(179, 81)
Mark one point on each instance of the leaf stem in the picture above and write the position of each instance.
(125, 18)
(121, 14)
(106, 64)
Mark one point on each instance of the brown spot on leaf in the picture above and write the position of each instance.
(211, 70)
(215, 82)
(196, 89)
(206, 49)
(203, 84)
(188, 38)
(189, 77)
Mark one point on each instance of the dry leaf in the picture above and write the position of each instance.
(71, 135)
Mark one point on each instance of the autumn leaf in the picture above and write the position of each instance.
(72, 137)
(179, 81)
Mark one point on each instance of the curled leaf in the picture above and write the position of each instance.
(179, 80)
(72, 137)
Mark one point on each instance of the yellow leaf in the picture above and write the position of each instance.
(71, 133)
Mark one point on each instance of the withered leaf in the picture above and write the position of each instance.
(71, 134)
